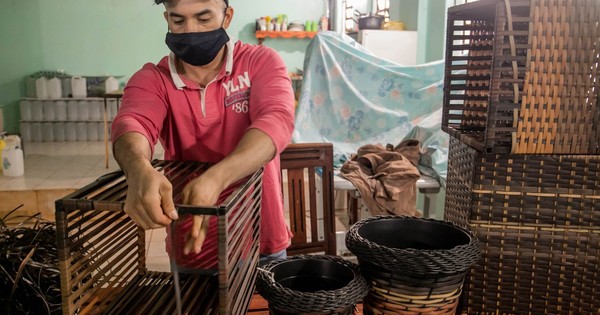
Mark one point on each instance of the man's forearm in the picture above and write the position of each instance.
(253, 151)
(132, 150)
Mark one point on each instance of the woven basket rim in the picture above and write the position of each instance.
(462, 256)
(413, 250)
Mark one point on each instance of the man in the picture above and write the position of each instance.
(210, 100)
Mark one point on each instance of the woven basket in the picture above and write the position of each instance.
(413, 246)
(312, 285)
(377, 306)
(430, 287)
(403, 294)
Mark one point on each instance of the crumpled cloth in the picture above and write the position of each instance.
(386, 177)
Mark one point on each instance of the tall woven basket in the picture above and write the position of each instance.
(413, 265)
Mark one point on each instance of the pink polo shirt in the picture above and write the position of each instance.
(252, 90)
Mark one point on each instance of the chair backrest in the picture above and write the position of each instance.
(309, 192)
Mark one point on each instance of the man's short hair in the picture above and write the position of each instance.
(167, 1)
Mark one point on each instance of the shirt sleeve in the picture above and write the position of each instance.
(143, 107)
(272, 98)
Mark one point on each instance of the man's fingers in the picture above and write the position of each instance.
(197, 225)
(201, 235)
(167, 204)
(155, 212)
(143, 221)
(197, 235)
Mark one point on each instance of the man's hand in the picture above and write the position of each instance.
(202, 191)
(149, 200)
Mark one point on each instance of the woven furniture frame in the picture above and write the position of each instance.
(527, 189)
(102, 251)
(521, 76)
(538, 220)
(309, 170)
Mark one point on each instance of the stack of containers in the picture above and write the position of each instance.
(521, 107)
(57, 108)
(414, 266)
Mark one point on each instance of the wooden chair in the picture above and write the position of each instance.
(309, 191)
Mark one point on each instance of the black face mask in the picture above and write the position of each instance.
(199, 48)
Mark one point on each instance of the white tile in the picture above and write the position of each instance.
(21, 183)
(59, 183)
(158, 263)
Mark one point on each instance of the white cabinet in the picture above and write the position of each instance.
(65, 119)
(397, 46)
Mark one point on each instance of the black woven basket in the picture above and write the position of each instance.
(316, 284)
(413, 246)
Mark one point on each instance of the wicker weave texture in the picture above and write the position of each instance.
(102, 251)
(411, 294)
(528, 189)
(534, 269)
(537, 218)
(521, 76)
(290, 301)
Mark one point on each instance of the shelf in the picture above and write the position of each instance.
(261, 35)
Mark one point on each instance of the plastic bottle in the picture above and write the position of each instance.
(66, 86)
(324, 23)
(41, 88)
(30, 87)
(12, 159)
(111, 84)
(54, 88)
(284, 23)
(78, 87)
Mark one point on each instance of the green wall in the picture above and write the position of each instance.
(431, 26)
(20, 54)
(113, 37)
(291, 50)
(405, 11)
(117, 37)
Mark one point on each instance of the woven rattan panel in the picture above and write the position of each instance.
(534, 269)
(538, 220)
(521, 76)
(102, 251)
(528, 189)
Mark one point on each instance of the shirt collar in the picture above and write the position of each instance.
(179, 81)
